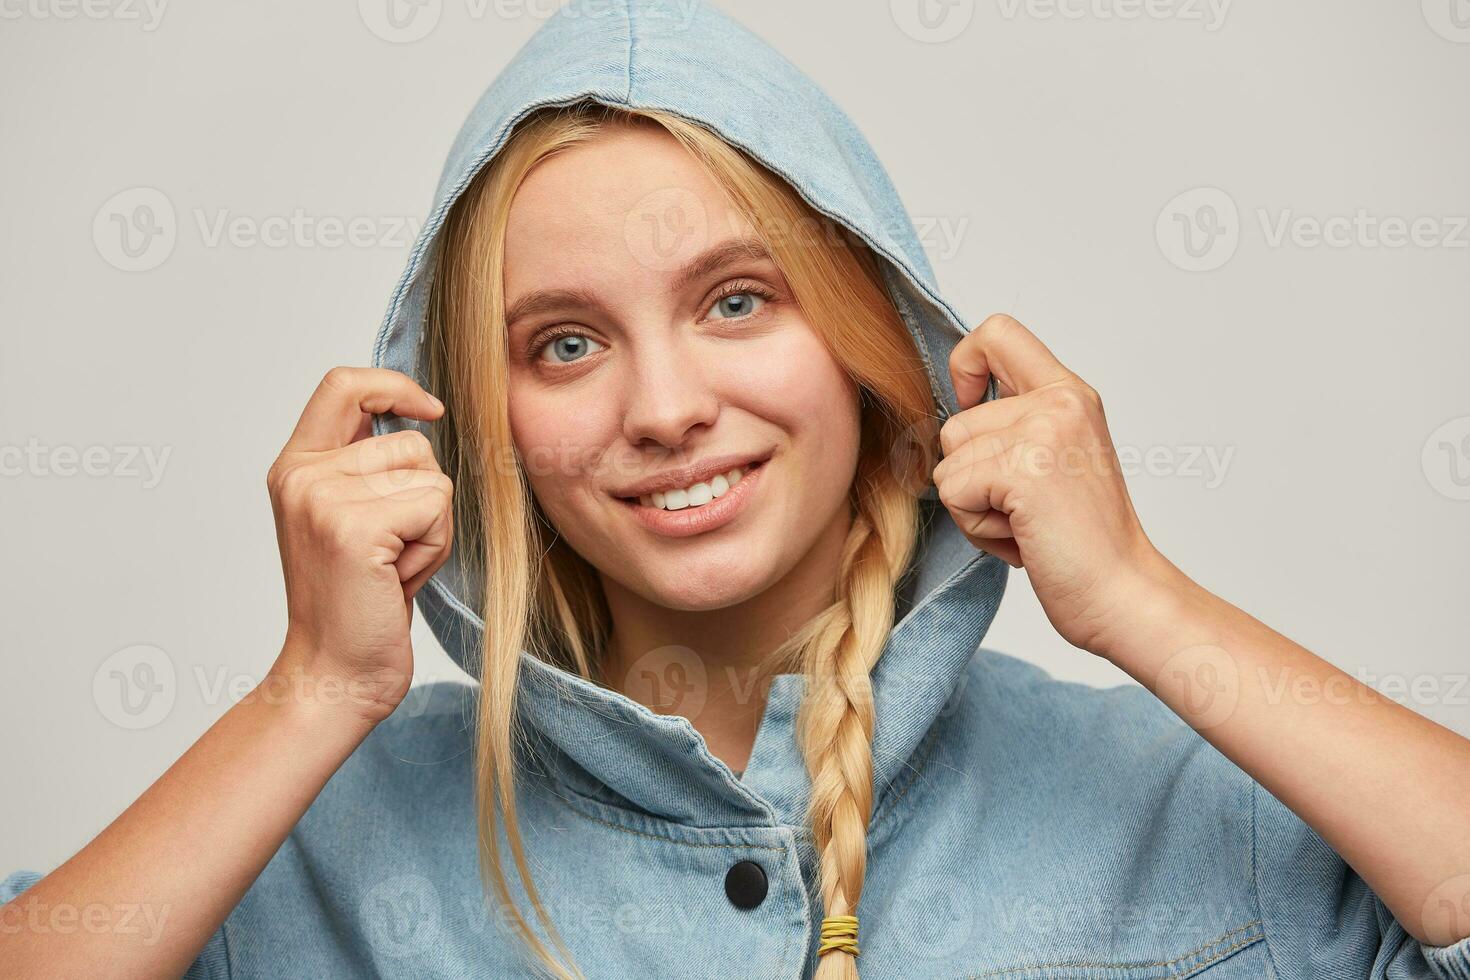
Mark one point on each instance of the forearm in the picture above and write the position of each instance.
(1388, 789)
(158, 881)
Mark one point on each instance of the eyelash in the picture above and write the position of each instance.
(735, 287)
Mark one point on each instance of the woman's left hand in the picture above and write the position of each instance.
(1033, 478)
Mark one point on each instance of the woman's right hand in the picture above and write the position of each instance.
(362, 522)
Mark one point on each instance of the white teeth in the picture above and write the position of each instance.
(695, 496)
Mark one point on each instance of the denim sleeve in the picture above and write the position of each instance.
(211, 964)
(1320, 917)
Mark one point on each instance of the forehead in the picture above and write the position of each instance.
(631, 203)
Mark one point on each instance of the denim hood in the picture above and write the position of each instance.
(673, 55)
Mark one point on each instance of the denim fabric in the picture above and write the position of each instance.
(1023, 826)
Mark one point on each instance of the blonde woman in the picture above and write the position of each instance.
(715, 503)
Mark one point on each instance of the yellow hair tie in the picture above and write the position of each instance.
(839, 932)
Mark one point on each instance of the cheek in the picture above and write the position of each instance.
(560, 438)
(793, 379)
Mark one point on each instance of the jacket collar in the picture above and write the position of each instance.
(608, 746)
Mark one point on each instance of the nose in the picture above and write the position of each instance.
(671, 396)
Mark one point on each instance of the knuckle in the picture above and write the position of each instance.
(1071, 399)
(291, 482)
(997, 323)
(339, 378)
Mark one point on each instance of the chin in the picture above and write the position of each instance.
(713, 585)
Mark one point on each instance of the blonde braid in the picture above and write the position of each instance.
(838, 712)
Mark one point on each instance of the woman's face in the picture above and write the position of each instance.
(639, 348)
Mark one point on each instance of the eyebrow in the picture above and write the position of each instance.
(711, 259)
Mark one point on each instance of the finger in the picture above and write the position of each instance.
(1003, 548)
(422, 558)
(415, 512)
(982, 524)
(980, 420)
(1018, 358)
(405, 451)
(979, 472)
(344, 402)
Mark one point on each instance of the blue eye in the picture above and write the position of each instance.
(738, 305)
(567, 347)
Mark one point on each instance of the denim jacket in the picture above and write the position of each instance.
(1022, 826)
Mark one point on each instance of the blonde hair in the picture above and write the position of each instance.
(547, 600)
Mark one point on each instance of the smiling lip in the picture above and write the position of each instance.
(686, 476)
(706, 517)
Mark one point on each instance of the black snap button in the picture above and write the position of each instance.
(745, 885)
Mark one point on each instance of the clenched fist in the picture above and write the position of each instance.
(362, 522)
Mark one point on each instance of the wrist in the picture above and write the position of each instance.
(1156, 601)
(302, 693)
